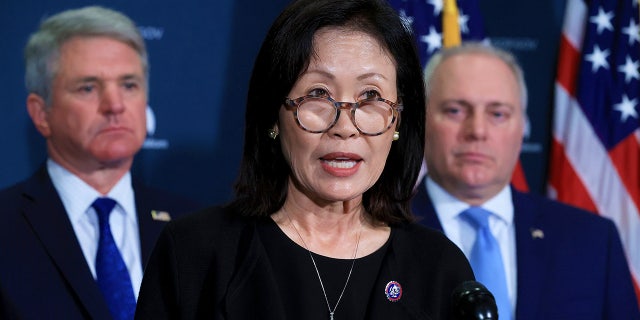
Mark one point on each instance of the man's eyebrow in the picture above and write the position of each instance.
(131, 77)
(462, 102)
(86, 79)
(500, 104)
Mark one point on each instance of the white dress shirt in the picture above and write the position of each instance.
(460, 232)
(77, 197)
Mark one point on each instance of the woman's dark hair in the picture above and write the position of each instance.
(285, 54)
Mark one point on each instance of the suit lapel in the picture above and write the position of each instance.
(46, 215)
(148, 227)
(423, 209)
(531, 251)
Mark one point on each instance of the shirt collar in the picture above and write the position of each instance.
(449, 207)
(77, 196)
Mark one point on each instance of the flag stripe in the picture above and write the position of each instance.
(636, 286)
(518, 179)
(562, 173)
(573, 25)
(625, 157)
(568, 69)
(569, 125)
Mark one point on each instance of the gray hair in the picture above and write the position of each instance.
(482, 48)
(42, 52)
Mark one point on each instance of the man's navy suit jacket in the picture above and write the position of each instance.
(43, 272)
(570, 263)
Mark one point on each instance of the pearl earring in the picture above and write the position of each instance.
(396, 136)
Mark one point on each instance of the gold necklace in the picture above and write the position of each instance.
(353, 262)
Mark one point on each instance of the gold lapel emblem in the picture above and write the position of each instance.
(537, 234)
(160, 215)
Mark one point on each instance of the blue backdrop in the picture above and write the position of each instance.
(201, 54)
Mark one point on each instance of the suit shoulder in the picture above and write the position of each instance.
(562, 215)
(213, 223)
(198, 238)
(10, 193)
(421, 232)
(421, 246)
(427, 240)
(210, 217)
(23, 192)
(13, 198)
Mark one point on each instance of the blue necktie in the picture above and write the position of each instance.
(113, 276)
(486, 259)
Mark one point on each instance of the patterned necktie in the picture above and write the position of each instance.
(486, 259)
(113, 276)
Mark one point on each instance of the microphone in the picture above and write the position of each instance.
(472, 301)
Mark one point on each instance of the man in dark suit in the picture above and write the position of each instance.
(553, 261)
(74, 237)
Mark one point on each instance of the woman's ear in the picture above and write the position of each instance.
(273, 132)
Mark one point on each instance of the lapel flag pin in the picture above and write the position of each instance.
(393, 291)
(160, 215)
(537, 234)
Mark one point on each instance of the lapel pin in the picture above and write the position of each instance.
(537, 234)
(393, 291)
(160, 215)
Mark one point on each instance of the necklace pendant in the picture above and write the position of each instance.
(331, 316)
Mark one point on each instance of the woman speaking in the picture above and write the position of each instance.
(320, 227)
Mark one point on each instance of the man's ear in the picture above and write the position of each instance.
(36, 107)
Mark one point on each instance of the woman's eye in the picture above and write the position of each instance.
(369, 94)
(318, 92)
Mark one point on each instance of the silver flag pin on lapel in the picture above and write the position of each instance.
(537, 234)
(160, 215)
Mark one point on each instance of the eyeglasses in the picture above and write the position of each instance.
(371, 116)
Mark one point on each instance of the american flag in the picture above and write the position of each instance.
(595, 152)
(424, 18)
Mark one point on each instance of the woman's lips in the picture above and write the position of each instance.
(341, 164)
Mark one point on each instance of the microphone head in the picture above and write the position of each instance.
(472, 301)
